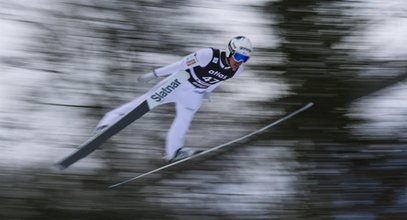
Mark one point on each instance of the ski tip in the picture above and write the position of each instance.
(307, 106)
(310, 104)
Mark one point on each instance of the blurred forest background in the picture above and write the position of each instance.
(66, 63)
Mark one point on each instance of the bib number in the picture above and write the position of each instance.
(210, 79)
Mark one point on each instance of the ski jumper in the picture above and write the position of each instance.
(207, 70)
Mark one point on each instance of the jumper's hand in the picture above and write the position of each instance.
(147, 77)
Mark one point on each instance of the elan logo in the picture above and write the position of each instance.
(246, 49)
(217, 74)
(165, 91)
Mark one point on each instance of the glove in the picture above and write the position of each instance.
(147, 77)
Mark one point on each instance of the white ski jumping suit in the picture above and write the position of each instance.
(207, 70)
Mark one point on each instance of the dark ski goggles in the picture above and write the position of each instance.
(240, 57)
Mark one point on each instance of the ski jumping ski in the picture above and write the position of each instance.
(288, 116)
(153, 99)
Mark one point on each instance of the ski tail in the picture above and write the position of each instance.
(97, 140)
(286, 117)
(148, 104)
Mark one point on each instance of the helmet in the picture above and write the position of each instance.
(240, 47)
